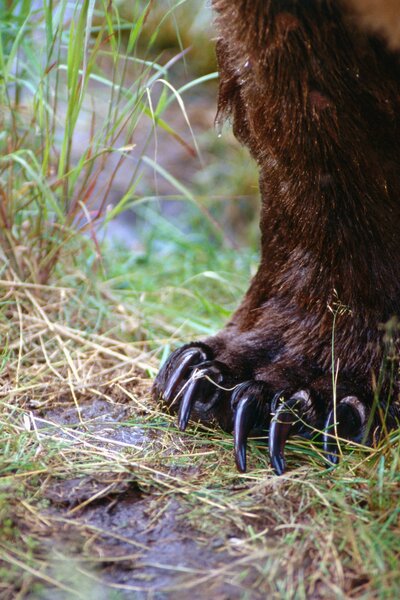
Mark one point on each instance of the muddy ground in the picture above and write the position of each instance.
(130, 507)
(108, 535)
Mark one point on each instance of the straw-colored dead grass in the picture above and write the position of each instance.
(100, 493)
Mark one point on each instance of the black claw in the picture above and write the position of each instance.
(244, 421)
(188, 399)
(176, 370)
(350, 418)
(281, 425)
(250, 405)
(202, 389)
(189, 358)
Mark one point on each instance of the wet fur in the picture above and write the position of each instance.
(315, 96)
(317, 102)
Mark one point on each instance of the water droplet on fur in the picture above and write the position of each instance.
(218, 127)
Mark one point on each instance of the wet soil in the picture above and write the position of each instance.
(120, 536)
(145, 553)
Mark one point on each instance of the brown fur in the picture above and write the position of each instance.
(316, 99)
(318, 104)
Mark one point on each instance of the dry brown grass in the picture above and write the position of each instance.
(100, 493)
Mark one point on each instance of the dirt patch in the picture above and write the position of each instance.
(139, 544)
(111, 533)
(117, 503)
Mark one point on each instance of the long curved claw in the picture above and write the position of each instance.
(247, 415)
(203, 388)
(189, 358)
(189, 398)
(346, 422)
(244, 421)
(177, 370)
(283, 422)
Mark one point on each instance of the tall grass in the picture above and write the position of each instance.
(73, 93)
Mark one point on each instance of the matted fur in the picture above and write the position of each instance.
(316, 99)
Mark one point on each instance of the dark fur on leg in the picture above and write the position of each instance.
(316, 99)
